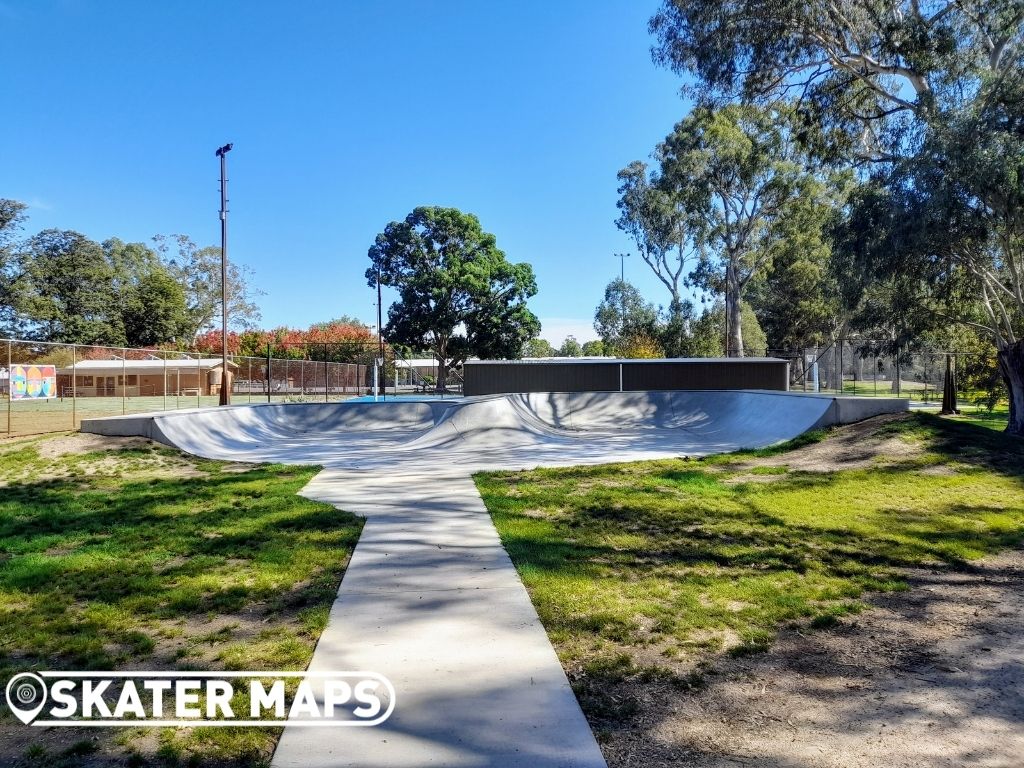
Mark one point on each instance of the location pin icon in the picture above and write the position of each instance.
(26, 696)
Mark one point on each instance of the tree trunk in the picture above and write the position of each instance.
(1011, 366)
(442, 374)
(734, 343)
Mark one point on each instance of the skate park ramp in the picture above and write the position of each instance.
(515, 431)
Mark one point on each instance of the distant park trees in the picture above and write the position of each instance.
(458, 295)
(60, 286)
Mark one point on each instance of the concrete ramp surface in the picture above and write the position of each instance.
(497, 432)
(430, 598)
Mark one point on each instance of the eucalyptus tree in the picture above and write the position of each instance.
(657, 224)
(927, 94)
(736, 171)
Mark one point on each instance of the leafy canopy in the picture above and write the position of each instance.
(457, 293)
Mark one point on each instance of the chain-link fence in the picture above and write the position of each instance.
(48, 387)
(872, 368)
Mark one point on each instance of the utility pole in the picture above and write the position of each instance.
(225, 374)
(380, 338)
(622, 265)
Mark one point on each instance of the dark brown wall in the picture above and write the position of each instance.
(485, 378)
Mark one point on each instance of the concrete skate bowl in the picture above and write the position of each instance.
(500, 431)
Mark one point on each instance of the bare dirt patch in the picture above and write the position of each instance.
(929, 677)
(853, 446)
(81, 442)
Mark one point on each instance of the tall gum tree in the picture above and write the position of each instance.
(733, 170)
(887, 84)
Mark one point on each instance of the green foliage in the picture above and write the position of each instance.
(593, 348)
(61, 286)
(570, 348)
(932, 95)
(458, 294)
(737, 172)
(707, 337)
(198, 270)
(538, 347)
(624, 314)
(68, 289)
(657, 224)
(12, 214)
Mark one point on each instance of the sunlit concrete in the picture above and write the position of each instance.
(430, 598)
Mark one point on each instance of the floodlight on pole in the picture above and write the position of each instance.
(622, 266)
(225, 387)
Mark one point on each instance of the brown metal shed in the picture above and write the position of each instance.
(490, 377)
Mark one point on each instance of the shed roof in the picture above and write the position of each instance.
(143, 366)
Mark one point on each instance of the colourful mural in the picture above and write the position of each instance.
(33, 382)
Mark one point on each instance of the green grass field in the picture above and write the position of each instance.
(650, 570)
(145, 558)
(36, 417)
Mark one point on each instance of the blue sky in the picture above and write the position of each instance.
(344, 116)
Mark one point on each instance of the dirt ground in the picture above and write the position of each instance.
(931, 677)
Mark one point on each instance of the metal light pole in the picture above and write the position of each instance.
(380, 337)
(622, 265)
(225, 387)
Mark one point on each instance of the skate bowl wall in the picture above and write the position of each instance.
(515, 430)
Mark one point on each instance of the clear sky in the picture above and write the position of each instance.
(344, 116)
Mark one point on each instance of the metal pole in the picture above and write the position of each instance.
(622, 265)
(199, 382)
(10, 385)
(165, 383)
(124, 381)
(74, 387)
(380, 338)
(327, 377)
(225, 394)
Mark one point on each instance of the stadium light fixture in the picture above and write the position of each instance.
(225, 384)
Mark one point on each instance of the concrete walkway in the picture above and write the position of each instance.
(431, 600)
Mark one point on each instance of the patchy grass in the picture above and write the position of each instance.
(648, 571)
(995, 419)
(145, 558)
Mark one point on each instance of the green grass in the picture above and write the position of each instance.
(148, 559)
(995, 419)
(655, 568)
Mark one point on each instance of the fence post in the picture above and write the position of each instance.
(165, 381)
(124, 381)
(268, 371)
(327, 377)
(10, 385)
(74, 387)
